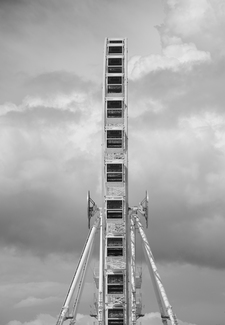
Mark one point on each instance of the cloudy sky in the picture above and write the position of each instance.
(50, 139)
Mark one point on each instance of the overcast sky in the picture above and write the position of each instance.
(51, 67)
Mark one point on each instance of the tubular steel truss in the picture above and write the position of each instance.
(118, 279)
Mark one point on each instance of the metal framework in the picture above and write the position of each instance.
(117, 279)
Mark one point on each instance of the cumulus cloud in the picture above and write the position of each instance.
(192, 33)
(180, 105)
(186, 172)
(84, 320)
(45, 319)
(42, 319)
(155, 319)
(46, 142)
(200, 21)
(57, 102)
(176, 55)
(9, 107)
(34, 301)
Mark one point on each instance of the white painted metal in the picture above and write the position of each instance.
(133, 271)
(80, 287)
(127, 218)
(164, 305)
(116, 190)
(101, 268)
(64, 312)
(121, 308)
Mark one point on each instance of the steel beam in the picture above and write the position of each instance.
(64, 312)
(133, 271)
(163, 302)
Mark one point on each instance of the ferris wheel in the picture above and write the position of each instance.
(117, 279)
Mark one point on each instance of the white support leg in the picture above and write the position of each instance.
(81, 286)
(133, 272)
(101, 267)
(163, 302)
(64, 312)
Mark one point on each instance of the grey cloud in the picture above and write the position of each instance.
(186, 185)
(181, 94)
(51, 83)
(34, 43)
(52, 218)
(183, 168)
(206, 28)
(45, 176)
(184, 234)
(44, 117)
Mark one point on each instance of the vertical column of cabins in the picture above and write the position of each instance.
(115, 182)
